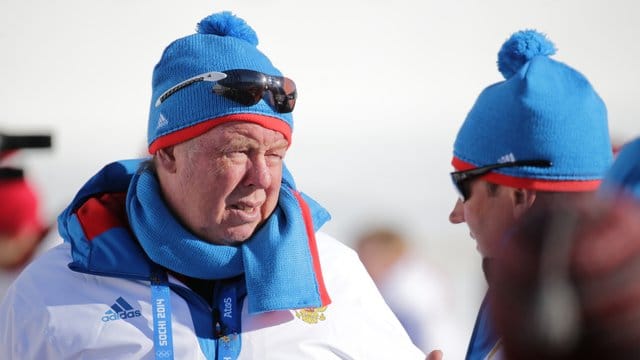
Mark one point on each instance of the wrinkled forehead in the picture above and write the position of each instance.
(236, 135)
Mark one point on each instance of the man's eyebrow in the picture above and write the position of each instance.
(280, 143)
(235, 142)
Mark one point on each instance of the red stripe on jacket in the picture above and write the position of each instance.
(313, 248)
(99, 214)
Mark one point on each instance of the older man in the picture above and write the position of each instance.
(207, 251)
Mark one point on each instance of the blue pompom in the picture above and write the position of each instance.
(226, 24)
(521, 47)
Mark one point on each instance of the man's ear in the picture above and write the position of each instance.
(523, 199)
(166, 160)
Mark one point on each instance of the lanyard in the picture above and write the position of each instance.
(161, 307)
(228, 323)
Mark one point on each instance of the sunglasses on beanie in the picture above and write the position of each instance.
(246, 87)
(461, 179)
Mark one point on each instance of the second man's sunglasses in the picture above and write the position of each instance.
(462, 178)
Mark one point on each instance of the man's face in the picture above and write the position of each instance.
(226, 181)
(14, 248)
(487, 214)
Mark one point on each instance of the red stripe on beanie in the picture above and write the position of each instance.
(531, 183)
(200, 128)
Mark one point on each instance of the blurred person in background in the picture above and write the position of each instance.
(208, 250)
(22, 228)
(24, 233)
(623, 178)
(417, 292)
(536, 140)
(565, 284)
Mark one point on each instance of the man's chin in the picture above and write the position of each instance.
(228, 241)
(231, 242)
(238, 235)
(230, 235)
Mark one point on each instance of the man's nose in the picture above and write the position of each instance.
(258, 173)
(457, 214)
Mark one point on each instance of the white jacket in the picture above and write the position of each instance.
(52, 312)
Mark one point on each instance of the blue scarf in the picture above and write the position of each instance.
(279, 261)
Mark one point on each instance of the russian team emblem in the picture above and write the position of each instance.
(311, 315)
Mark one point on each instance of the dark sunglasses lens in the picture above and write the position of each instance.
(464, 190)
(462, 186)
(286, 101)
(239, 78)
(281, 101)
(247, 95)
(247, 87)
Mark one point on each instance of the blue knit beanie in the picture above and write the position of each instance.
(543, 110)
(222, 42)
(624, 174)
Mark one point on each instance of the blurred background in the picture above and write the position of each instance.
(383, 87)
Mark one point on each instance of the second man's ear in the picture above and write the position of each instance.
(523, 200)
